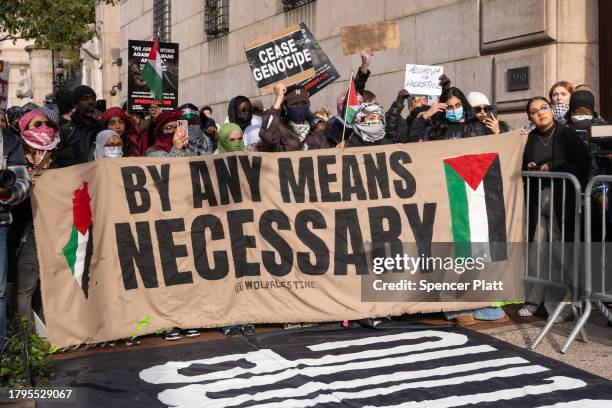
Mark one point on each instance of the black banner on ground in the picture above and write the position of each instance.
(398, 365)
(139, 94)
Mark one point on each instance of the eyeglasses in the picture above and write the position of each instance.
(478, 109)
(49, 123)
(536, 110)
(113, 145)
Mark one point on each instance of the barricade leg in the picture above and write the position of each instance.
(579, 326)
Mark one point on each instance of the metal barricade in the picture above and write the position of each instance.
(570, 293)
(601, 294)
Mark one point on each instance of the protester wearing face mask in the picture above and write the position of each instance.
(171, 140)
(451, 118)
(368, 126)
(288, 125)
(559, 96)
(335, 128)
(240, 111)
(199, 143)
(41, 142)
(134, 143)
(79, 134)
(108, 145)
(230, 139)
(398, 129)
(484, 111)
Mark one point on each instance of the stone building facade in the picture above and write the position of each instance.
(484, 45)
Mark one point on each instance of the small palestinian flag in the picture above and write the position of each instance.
(79, 248)
(352, 103)
(152, 72)
(476, 197)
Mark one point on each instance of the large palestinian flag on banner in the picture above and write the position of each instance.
(476, 197)
(79, 248)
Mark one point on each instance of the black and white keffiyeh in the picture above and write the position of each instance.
(370, 131)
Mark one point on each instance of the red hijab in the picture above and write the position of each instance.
(164, 141)
(135, 144)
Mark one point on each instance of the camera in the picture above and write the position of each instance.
(7, 178)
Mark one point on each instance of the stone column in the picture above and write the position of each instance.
(41, 71)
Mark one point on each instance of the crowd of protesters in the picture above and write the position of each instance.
(42, 138)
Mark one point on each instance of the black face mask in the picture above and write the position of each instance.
(244, 116)
(583, 124)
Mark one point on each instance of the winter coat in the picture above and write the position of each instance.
(277, 136)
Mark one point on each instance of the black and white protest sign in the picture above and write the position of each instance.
(423, 79)
(281, 57)
(325, 72)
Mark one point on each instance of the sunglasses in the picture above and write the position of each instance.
(49, 123)
(478, 109)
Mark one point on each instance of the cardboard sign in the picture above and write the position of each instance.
(378, 36)
(423, 79)
(283, 57)
(325, 72)
(139, 93)
(5, 67)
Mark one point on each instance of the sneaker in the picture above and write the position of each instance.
(173, 334)
(527, 310)
(231, 331)
(132, 341)
(191, 333)
(247, 329)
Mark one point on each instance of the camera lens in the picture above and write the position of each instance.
(7, 178)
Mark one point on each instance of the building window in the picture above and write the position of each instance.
(216, 22)
(293, 4)
(161, 19)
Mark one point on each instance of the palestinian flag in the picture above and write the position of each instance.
(352, 103)
(79, 248)
(152, 72)
(476, 197)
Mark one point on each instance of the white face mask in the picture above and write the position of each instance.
(113, 152)
(576, 118)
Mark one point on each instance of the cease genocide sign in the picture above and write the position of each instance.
(281, 57)
(255, 237)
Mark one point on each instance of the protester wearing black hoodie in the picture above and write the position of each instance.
(78, 136)
(240, 111)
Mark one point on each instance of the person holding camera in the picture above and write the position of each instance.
(14, 188)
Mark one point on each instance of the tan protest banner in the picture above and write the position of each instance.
(378, 36)
(267, 237)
